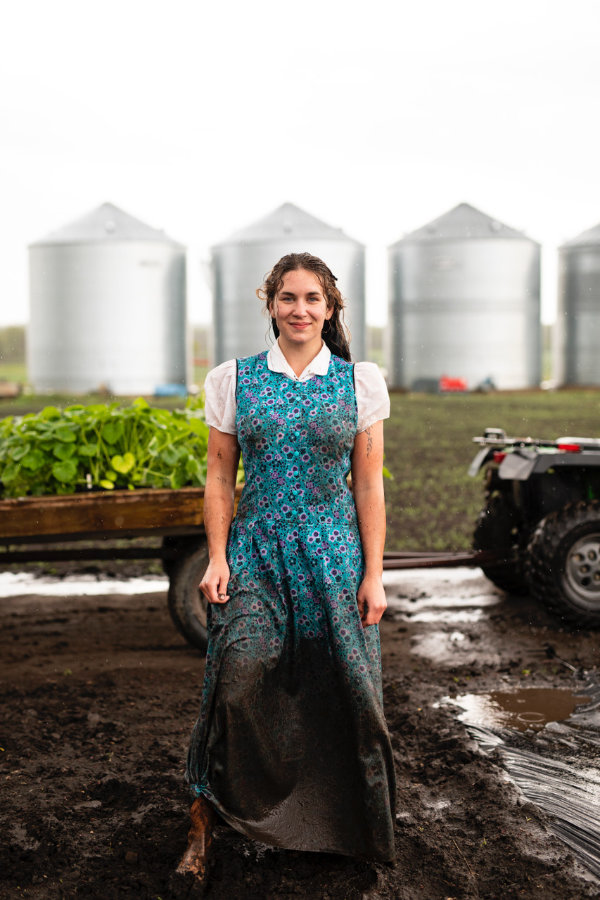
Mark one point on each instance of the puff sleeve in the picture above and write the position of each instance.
(219, 393)
(372, 398)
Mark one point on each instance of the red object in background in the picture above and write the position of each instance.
(569, 448)
(452, 384)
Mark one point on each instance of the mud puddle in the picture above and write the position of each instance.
(547, 740)
(19, 584)
(527, 709)
(461, 594)
(442, 612)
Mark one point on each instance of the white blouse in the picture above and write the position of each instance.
(372, 400)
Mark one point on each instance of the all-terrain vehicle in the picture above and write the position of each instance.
(541, 521)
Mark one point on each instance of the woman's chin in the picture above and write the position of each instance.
(300, 336)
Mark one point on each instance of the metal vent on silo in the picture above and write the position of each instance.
(241, 262)
(108, 307)
(464, 303)
(578, 320)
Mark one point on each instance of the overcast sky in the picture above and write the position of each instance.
(376, 117)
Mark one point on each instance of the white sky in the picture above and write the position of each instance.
(376, 117)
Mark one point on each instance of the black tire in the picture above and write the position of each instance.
(497, 530)
(180, 545)
(563, 562)
(188, 607)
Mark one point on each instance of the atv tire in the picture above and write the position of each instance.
(496, 530)
(563, 562)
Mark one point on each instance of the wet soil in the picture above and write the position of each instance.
(100, 693)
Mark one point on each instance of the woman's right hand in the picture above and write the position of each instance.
(215, 581)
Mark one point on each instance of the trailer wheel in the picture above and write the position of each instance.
(563, 562)
(178, 546)
(497, 530)
(187, 605)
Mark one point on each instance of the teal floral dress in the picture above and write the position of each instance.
(291, 745)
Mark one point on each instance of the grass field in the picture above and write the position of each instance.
(432, 503)
(17, 372)
(13, 371)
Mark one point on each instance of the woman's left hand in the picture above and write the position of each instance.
(371, 600)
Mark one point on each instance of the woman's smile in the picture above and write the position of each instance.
(300, 308)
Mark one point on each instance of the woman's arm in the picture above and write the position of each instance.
(219, 494)
(367, 484)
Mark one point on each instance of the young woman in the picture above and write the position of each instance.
(291, 747)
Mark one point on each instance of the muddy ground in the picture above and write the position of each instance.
(100, 693)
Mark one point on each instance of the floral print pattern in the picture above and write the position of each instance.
(291, 744)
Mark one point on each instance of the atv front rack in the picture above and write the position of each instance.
(497, 437)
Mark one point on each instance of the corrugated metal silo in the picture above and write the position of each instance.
(578, 318)
(108, 307)
(240, 264)
(465, 303)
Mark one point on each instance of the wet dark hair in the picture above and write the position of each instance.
(335, 334)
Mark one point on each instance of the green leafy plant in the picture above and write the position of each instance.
(102, 446)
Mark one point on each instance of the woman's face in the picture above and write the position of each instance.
(300, 309)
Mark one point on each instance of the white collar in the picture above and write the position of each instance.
(277, 362)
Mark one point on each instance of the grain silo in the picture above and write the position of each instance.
(241, 262)
(578, 320)
(108, 309)
(464, 303)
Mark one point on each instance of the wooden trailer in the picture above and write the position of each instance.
(34, 528)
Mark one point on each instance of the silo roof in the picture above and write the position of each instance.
(287, 221)
(462, 222)
(591, 237)
(106, 224)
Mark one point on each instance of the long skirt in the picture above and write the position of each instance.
(291, 746)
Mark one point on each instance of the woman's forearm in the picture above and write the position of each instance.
(367, 483)
(370, 510)
(218, 515)
(219, 492)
